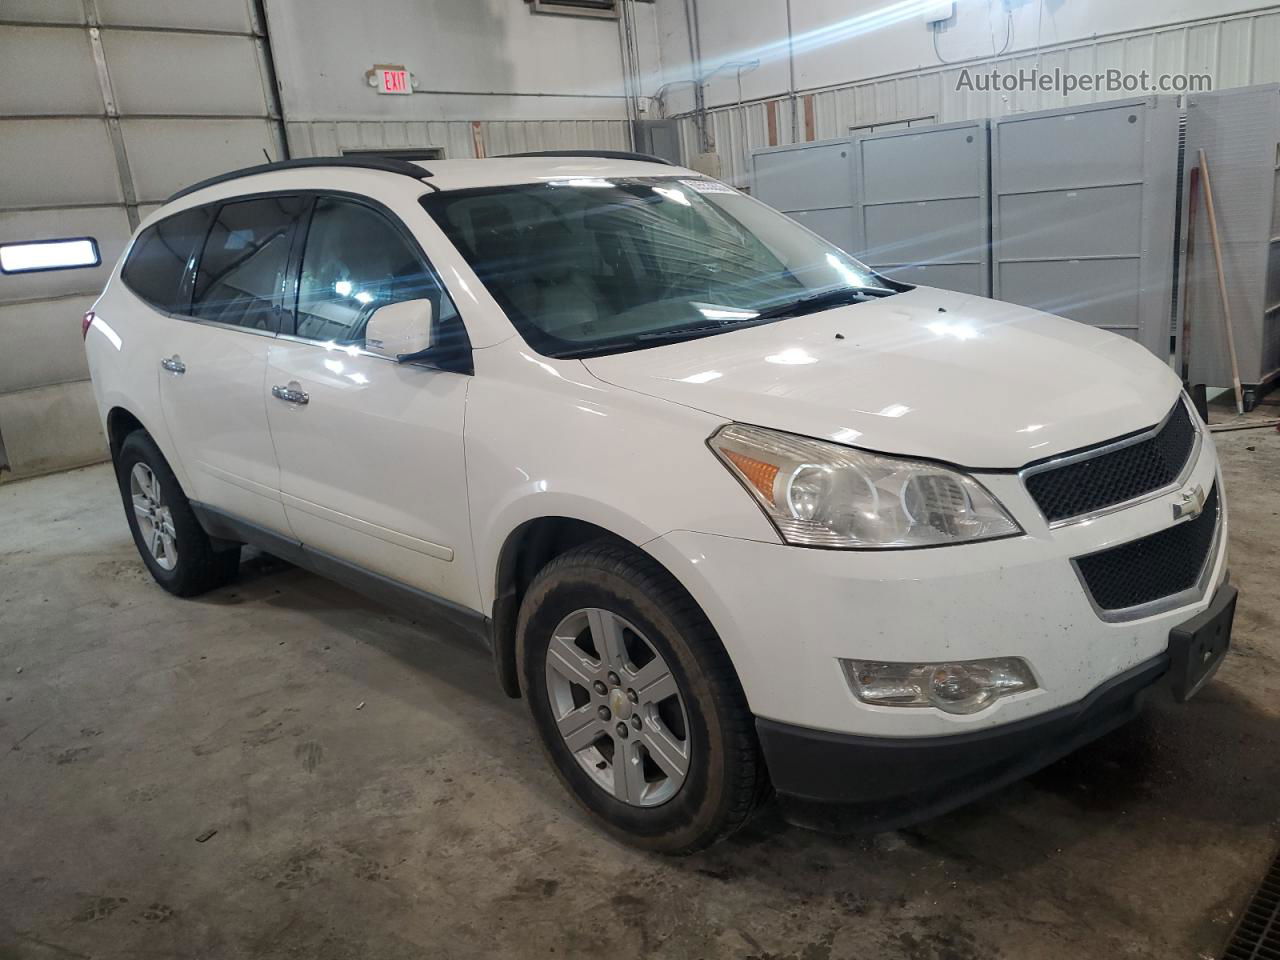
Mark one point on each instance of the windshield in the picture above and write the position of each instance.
(592, 266)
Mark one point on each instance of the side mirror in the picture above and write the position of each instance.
(399, 331)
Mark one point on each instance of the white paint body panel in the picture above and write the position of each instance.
(984, 384)
(422, 475)
(371, 468)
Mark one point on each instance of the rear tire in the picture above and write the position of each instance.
(173, 545)
(627, 634)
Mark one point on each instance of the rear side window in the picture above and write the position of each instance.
(356, 261)
(157, 263)
(245, 259)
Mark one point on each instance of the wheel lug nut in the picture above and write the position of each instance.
(613, 678)
(633, 696)
(600, 688)
(636, 722)
(603, 713)
(623, 732)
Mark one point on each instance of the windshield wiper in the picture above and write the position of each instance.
(823, 300)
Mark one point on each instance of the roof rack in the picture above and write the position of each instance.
(385, 164)
(603, 154)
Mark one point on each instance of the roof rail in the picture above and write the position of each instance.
(385, 164)
(603, 154)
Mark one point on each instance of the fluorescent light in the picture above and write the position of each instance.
(49, 255)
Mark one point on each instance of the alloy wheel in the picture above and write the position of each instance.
(155, 521)
(618, 707)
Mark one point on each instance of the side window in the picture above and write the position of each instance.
(158, 261)
(356, 261)
(242, 268)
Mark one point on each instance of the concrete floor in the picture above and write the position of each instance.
(425, 823)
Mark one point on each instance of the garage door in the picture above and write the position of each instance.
(106, 107)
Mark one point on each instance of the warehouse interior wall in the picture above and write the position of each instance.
(877, 65)
(493, 76)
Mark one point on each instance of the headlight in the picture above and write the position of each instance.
(821, 494)
(964, 687)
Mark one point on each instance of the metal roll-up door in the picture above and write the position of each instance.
(106, 107)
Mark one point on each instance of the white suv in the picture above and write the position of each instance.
(735, 513)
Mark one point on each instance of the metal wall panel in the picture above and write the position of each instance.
(457, 138)
(229, 15)
(1239, 130)
(812, 183)
(52, 349)
(922, 199)
(166, 155)
(1238, 49)
(1083, 220)
(44, 11)
(202, 73)
(48, 162)
(27, 84)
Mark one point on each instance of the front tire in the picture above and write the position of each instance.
(675, 765)
(173, 545)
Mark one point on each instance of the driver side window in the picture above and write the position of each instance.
(354, 262)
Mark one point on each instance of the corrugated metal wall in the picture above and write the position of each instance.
(1237, 51)
(457, 138)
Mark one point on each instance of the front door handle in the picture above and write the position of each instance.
(174, 365)
(293, 393)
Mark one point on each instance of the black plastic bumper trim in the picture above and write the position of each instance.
(844, 783)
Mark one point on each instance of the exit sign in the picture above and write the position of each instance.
(393, 79)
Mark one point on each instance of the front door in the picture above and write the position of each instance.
(370, 450)
(213, 364)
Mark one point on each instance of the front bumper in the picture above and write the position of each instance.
(837, 782)
(788, 615)
(841, 783)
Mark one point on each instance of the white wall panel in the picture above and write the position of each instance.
(166, 155)
(52, 428)
(232, 15)
(60, 161)
(456, 138)
(44, 11)
(29, 83)
(48, 348)
(190, 74)
(1237, 49)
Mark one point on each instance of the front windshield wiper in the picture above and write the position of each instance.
(823, 300)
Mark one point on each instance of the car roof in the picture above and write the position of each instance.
(343, 173)
(510, 171)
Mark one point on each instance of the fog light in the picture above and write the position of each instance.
(966, 686)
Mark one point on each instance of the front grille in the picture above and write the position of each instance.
(1118, 476)
(1154, 567)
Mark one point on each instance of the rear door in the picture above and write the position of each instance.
(370, 450)
(213, 367)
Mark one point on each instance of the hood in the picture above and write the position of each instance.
(928, 373)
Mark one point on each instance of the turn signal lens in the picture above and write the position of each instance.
(964, 687)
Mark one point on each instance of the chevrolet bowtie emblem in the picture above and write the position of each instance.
(1190, 505)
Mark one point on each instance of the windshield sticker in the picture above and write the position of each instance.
(708, 186)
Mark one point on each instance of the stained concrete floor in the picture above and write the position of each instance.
(375, 796)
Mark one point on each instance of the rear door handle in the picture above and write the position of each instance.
(291, 394)
(174, 364)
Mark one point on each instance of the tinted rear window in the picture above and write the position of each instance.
(159, 258)
(245, 259)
